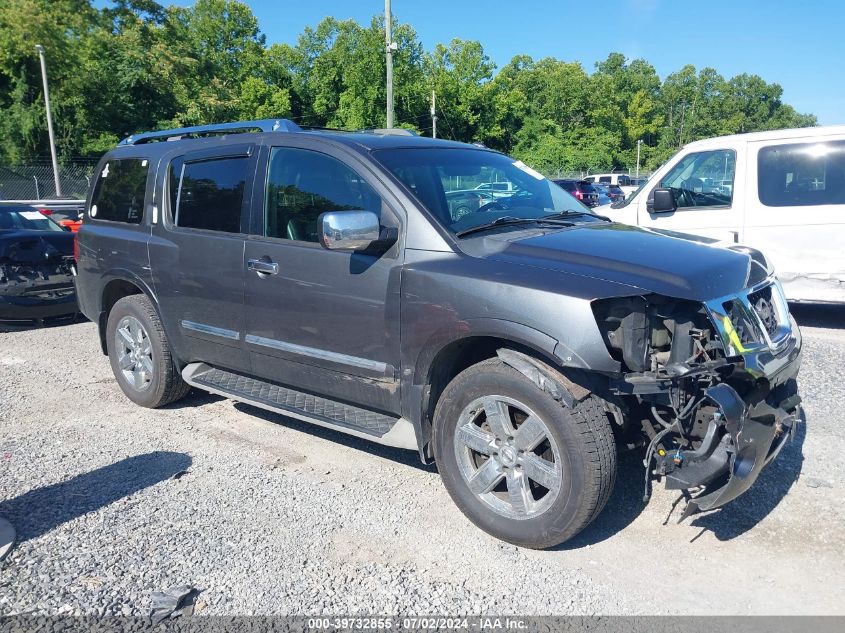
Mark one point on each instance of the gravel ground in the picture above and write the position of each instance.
(267, 515)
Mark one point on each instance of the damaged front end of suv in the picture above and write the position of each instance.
(712, 385)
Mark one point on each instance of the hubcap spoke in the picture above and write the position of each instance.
(530, 433)
(541, 470)
(125, 362)
(478, 440)
(486, 478)
(519, 492)
(147, 364)
(126, 337)
(138, 376)
(497, 417)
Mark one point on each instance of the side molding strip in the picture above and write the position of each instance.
(210, 329)
(313, 352)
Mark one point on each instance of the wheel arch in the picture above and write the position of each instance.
(119, 284)
(449, 353)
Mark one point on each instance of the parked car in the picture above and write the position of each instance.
(782, 192)
(36, 259)
(581, 190)
(623, 181)
(462, 202)
(497, 189)
(608, 194)
(322, 276)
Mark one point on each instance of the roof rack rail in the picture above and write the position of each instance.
(262, 125)
(389, 131)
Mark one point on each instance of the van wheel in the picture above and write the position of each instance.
(140, 354)
(517, 463)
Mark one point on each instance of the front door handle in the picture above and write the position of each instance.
(263, 267)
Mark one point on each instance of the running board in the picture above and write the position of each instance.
(376, 427)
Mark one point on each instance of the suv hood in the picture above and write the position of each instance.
(671, 264)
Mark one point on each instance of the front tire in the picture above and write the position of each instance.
(140, 354)
(519, 464)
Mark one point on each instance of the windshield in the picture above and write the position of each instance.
(27, 220)
(468, 188)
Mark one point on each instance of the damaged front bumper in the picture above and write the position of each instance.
(747, 432)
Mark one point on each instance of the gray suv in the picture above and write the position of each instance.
(323, 275)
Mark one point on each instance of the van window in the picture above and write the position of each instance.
(703, 179)
(624, 181)
(119, 192)
(302, 184)
(208, 194)
(605, 179)
(801, 174)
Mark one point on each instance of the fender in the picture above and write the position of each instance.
(129, 276)
(414, 384)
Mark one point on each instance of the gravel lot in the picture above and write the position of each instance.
(267, 515)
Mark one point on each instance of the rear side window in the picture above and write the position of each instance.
(801, 174)
(119, 192)
(208, 194)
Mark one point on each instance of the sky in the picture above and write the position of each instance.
(799, 44)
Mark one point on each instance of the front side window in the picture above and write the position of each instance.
(703, 179)
(119, 192)
(801, 174)
(302, 184)
(208, 194)
(447, 181)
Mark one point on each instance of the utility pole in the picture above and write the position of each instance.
(433, 115)
(391, 48)
(639, 142)
(40, 50)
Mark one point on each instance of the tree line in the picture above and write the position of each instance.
(138, 65)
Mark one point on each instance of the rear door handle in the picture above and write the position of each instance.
(263, 267)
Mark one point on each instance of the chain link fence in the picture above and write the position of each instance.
(35, 181)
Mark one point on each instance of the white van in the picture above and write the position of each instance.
(782, 192)
(627, 184)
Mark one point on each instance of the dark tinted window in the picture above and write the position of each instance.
(586, 187)
(208, 194)
(302, 184)
(568, 185)
(802, 174)
(119, 192)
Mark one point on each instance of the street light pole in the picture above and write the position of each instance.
(391, 47)
(433, 115)
(639, 142)
(40, 50)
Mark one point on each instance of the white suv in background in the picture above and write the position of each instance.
(782, 192)
(623, 181)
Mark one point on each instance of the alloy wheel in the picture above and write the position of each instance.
(508, 457)
(134, 353)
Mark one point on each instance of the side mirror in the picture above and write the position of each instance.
(664, 201)
(349, 230)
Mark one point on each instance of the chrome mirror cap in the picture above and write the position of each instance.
(348, 230)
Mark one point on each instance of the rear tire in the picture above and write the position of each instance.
(538, 479)
(140, 354)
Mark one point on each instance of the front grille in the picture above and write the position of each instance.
(743, 325)
(752, 319)
(762, 303)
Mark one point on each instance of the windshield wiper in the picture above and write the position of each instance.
(570, 213)
(509, 219)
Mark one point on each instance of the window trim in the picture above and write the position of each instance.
(169, 217)
(141, 220)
